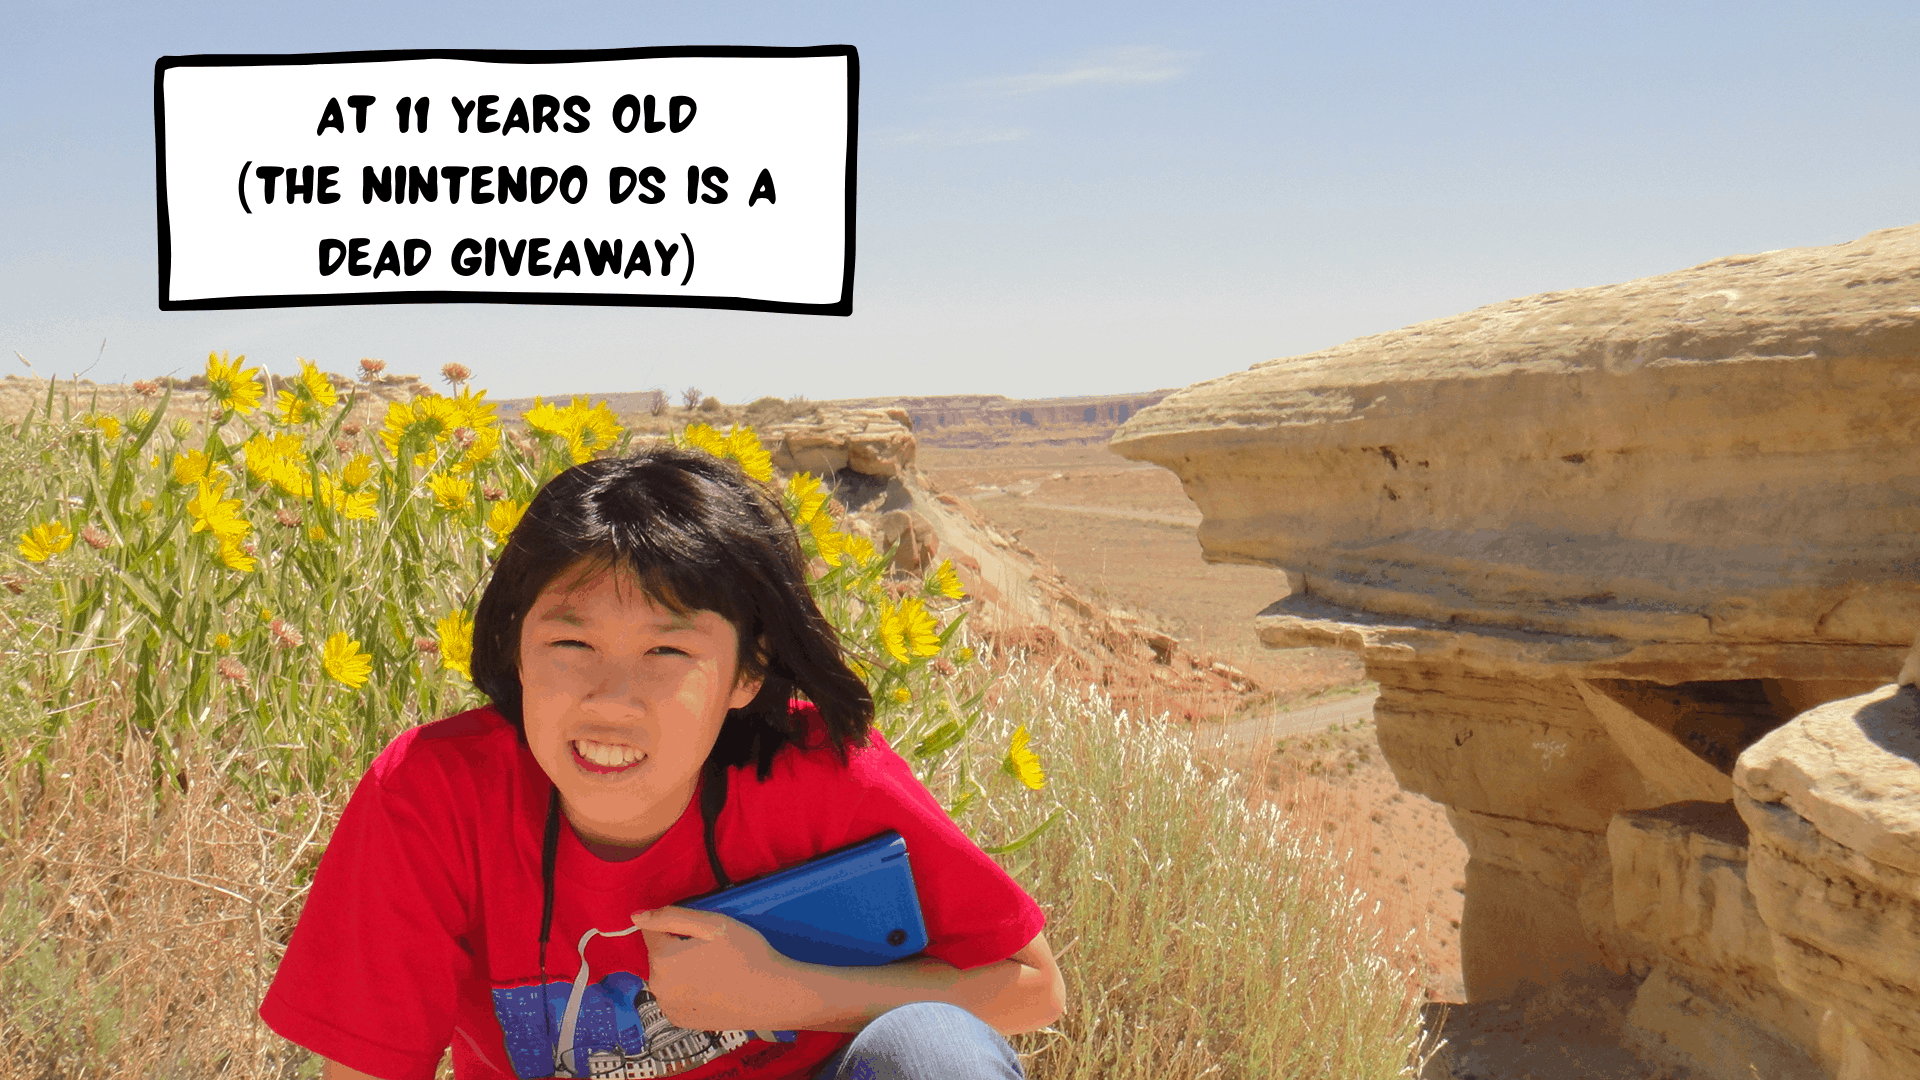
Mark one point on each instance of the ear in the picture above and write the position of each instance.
(746, 687)
(744, 691)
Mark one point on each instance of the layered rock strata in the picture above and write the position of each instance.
(1600, 548)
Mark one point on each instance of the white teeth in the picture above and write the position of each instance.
(606, 754)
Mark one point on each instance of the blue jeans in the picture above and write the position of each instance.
(927, 1040)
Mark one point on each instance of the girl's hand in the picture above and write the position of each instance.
(711, 972)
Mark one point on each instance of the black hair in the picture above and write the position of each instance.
(697, 535)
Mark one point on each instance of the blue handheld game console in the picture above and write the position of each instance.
(851, 907)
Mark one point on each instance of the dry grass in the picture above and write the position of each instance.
(137, 935)
(1200, 933)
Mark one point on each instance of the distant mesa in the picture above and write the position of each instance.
(977, 420)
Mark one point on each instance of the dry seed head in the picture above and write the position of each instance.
(491, 493)
(146, 387)
(455, 373)
(369, 367)
(426, 645)
(15, 583)
(287, 517)
(285, 636)
(463, 437)
(95, 537)
(231, 670)
(351, 427)
(344, 446)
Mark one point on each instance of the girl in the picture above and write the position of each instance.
(641, 640)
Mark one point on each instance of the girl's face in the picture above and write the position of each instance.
(622, 700)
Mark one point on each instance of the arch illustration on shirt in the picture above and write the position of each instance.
(621, 1031)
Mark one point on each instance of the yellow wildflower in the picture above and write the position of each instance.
(744, 447)
(308, 393)
(213, 514)
(474, 410)
(451, 492)
(235, 557)
(281, 461)
(222, 642)
(352, 505)
(1023, 763)
(146, 506)
(427, 418)
(191, 467)
(902, 695)
(233, 387)
(456, 643)
(590, 429)
(908, 630)
(182, 427)
(945, 582)
(831, 542)
(546, 419)
(316, 533)
(43, 542)
(343, 660)
(860, 549)
(142, 416)
(104, 424)
(356, 472)
(486, 443)
(966, 654)
(805, 497)
(503, 517)
(738, 444)
(703, 437)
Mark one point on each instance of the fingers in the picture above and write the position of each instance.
(686, 922)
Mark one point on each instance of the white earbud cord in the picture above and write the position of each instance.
(563, 1059)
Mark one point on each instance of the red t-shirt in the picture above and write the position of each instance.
(421, 930)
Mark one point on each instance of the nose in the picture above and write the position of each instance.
(615, 692)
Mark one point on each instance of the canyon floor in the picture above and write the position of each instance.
(1125, 535)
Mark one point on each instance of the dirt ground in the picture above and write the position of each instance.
(1126, 535)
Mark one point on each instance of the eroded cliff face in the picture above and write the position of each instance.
(1601, 548)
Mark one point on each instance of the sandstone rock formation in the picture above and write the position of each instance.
(872, 442)
(1599, 547)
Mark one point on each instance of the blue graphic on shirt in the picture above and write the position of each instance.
(621, 1031)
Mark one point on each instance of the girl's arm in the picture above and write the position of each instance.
(713, 973)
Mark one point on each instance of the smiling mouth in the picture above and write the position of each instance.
(599, 757)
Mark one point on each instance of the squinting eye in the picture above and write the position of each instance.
(668, 650)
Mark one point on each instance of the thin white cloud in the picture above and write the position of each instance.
(950, 134)
(1118, 67)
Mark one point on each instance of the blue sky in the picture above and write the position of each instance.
(1054, 198)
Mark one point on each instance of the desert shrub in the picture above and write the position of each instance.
(710, 405)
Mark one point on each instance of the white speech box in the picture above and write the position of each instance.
(299, 180)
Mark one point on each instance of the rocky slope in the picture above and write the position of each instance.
(1604, 550)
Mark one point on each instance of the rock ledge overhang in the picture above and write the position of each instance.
(1719, 457)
